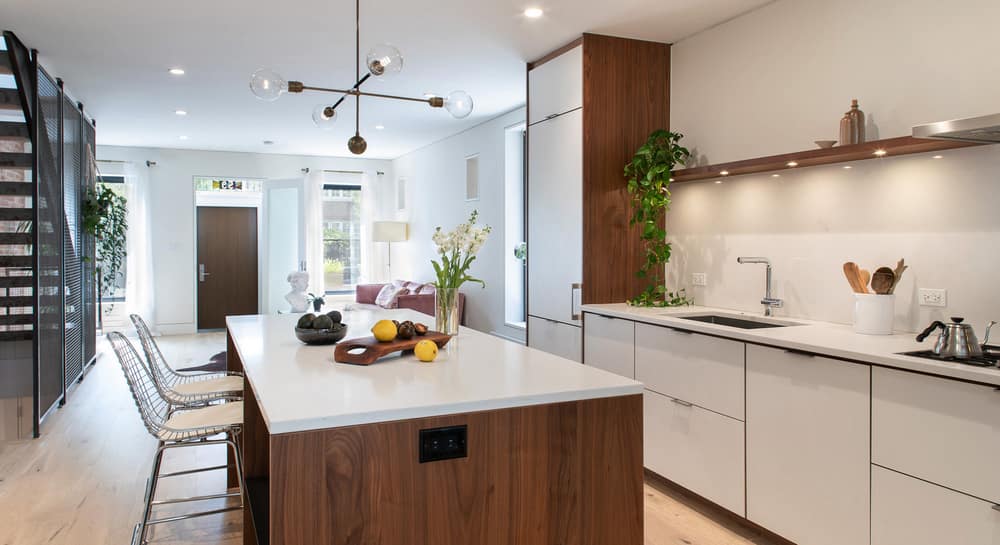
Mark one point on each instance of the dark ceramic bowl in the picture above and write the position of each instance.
(321, 336)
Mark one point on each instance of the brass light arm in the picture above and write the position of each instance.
(298, 87)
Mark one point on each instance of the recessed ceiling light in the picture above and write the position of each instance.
(671, 179)
(267, 142)
(793, 164)
(724, 173)
(176, 71)
(180, 112)
(880, 153)
(939, 156)
(379, 127)
(533, 13)
(183, 137)
(718, 181)
(776, 175)
(848, 167)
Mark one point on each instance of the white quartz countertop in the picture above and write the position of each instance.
(823, 338)
(301, 388)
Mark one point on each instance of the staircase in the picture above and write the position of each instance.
(17, 193)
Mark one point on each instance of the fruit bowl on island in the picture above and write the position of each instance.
(320, 329)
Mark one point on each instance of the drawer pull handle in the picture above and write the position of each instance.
(996, 507)
(683, 331)
(551, 116)
(681, 402)
(800, 353)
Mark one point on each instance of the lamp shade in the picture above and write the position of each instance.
(389, 231)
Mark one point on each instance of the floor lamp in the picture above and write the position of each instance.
(389, 232)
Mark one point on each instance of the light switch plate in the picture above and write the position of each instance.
(928, 297)
(699, 279)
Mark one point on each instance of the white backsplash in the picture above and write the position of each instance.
(942, 215)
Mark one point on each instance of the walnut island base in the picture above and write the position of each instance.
(519, 471)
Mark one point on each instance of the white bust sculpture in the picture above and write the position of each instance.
(297, 298)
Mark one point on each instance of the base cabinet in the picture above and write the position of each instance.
(609, 344)
(695, 448)
(909, 511)
(555, 338)
(808, 447)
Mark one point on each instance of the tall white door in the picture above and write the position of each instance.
(284, 238)
(555, 218)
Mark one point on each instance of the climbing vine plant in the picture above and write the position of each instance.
(104, 217)
(648, 182)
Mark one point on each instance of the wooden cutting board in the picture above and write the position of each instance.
(371, 350)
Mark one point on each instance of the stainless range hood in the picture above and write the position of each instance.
(984, 129)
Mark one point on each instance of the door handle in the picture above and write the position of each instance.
(574, 314)
(681, 402)
(201, 272)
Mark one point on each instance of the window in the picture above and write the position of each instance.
(341, 237)
(114, 293)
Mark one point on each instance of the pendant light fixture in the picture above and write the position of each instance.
(383, 61)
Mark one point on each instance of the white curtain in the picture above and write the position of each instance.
(369, 267)
(313, 193)
(139, 259)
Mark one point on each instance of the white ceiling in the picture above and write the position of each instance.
(114, 56)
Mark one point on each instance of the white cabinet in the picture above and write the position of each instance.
(695, 448)
(556, 86)
(609, 344)
(944, 431)
(908, 511)
(808, 447)
(707, 371)
(555, 338)
(555, 218)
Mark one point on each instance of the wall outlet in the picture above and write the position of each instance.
(699, 279)
(932, 298)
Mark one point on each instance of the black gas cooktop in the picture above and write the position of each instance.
(989, 359)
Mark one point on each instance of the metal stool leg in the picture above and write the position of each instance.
(239, 471)
(150, 492)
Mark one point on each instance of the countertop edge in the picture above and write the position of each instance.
(948, 370)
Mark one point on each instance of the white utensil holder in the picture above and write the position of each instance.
(874, 314)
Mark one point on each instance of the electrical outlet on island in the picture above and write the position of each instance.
(932, 297)
(699, 279)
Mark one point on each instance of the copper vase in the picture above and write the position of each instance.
(852, 126)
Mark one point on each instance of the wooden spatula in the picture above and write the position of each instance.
(864, 277)
(898, 272)
(853, 276)
(883, 280)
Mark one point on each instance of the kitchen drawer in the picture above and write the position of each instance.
(609, 344)
(556, 86)
(908, 511)
(555, 338)
(706, 371)
(695, 448)
(940, 430)
(808, 446)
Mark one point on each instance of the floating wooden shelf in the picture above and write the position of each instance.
(892, 147)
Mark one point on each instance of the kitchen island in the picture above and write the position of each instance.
(492, 443)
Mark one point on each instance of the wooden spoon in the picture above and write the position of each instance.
(898, 272)
(864, 277)
(853, 276)
(883, 280)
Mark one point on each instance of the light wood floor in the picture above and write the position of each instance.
(82, 482)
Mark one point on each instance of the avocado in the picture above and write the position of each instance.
(335, 316)
(306, 321)
(322, 322)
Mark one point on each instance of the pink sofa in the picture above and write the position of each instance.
(365, 294)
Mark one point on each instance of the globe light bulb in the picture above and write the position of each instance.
(458, 104)
(324, 116)
(267, 85)
(384, 60)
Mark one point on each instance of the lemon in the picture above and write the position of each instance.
(426, 350)
(384, 330)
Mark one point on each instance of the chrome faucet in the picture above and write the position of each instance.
(769, 302)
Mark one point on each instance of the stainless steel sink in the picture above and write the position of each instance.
(740, 321)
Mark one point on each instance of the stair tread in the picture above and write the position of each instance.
(14, 129)
(16, 335)
(24, 189)
(25, 261)
(17, 281)
(16, 214)
(10, 99)
(16, 238)
(15, 160)
(17, 301)
(16, 319)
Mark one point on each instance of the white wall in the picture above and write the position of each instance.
(778, 78)
(173, 210)
(435, 184)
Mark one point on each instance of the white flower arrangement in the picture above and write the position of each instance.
(458, 249)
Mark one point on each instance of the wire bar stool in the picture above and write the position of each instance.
(177, 427)
(185, 389)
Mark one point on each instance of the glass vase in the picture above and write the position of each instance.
(446, 310)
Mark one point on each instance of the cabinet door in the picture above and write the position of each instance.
(555, 218)
(908, 511)
(555, 338)
(943, 431)
(706, 371)
(556, 86)
(609, 344)
(808, 447)
(695, 448)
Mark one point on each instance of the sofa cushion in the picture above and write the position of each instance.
(388, 296)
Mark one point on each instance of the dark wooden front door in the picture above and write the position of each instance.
(226, 271)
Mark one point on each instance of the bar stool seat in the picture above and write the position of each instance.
(207, 421)
(231, 384)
